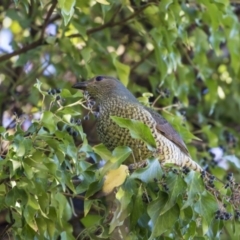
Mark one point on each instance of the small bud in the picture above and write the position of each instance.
(204, 90)
(58, 90)
(96, 114)
(91, 102)
(211, 177)
(85, 94)
(86, 117)
(222, 217)
(175, 171)
(185, 170)
(203, 173)
(75, 133)
(70, 132)
(79, 122)
(58, 98)
(165, 187)
(218, 212)
(230, 177)
(146, 198)
(53, 91)
(227, 185)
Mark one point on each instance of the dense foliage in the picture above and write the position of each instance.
(56, 180)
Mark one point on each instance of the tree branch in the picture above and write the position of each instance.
(136, 65)
(111, 23)
(22, 50)
(47, 18)
(40, 41)
(35, 44)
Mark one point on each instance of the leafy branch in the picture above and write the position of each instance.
(35, 44)
(111, 22)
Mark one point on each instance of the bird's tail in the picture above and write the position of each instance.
(186, 162)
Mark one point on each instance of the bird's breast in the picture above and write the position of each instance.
(112, 135)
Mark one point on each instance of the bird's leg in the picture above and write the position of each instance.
(134, 166)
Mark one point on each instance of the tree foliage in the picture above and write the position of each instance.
(180, 57)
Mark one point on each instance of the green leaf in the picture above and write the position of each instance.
(21, 145)
(123, 70)
(32, 202)
(139, 208)
(165, 222)
(2, 129)
(14, 195)
(41, 224)
(164, 5)
(191, 230)
(62, 204)
(206, 206)
(90, 220)
(20, 149)
(195, 188)
(120, 154)
(137, 130)
(93, 188)
(38, 86)
(122, 211)
(153, 170)
(28, 170)
(51, 40)
(67, 236)
(51, 227)
(103, 2)
(162, 222)
(82, 3)
(176, 186)
(102, 151)
(48, 122)
(67, 9)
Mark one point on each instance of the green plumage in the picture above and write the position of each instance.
(113, 99)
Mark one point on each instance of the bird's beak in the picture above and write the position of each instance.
(80, 85)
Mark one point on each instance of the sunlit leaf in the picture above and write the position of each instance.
(103, 2)
(114, 178)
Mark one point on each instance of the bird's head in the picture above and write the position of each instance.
(103, 87)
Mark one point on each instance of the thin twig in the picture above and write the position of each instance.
(136, 65)
(188, 58)
(47, 18)
(169, 106)
(73, 196)
(155, 101)
(111, 23)
(76, 181)
(22, 50)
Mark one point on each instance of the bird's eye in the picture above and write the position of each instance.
(99, 78)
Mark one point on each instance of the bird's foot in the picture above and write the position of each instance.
(132, 167)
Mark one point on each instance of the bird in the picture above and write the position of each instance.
(112, 98)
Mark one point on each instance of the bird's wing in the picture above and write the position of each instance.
(164, 127)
